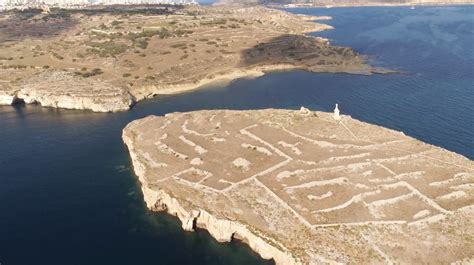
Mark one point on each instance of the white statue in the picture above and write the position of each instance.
(336, 113)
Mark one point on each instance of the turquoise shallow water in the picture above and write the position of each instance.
(68, 195)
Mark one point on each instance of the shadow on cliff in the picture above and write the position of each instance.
(296, 50)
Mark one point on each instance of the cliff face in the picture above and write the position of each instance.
(8, 95)
(65, 90)
(220, 227)
(306, 188)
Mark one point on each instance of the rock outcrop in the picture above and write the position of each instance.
(302, 187)
(8, 95)
(66, 90)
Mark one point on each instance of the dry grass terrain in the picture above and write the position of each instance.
(311, 187)
(138, 52)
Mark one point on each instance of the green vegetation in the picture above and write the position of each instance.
(141, 43)
(56, 13)
(182, 32)
(178, 45)
(103, 26)
(14, 66)
(93, 72)
(161, 33)
(215, 22)
(226, 52)
(116, 23)
(107, 49)
(57, 56)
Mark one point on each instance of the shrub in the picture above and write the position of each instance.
(161, 33)
(93, 72)
(107, 49)
(178, 45)
(219, 21)
(142, 44)
(116, 23)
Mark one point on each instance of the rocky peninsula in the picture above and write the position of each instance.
(107, 58)
(304, 187)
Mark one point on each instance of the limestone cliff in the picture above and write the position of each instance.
(60, 89)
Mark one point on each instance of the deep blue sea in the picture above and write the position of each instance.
(69, 196)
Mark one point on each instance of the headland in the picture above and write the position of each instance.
(108, 58)
(305, 187)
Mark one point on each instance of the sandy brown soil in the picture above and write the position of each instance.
(303, 187)
(147, 52)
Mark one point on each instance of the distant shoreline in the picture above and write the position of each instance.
(369, 5)
(249, 73)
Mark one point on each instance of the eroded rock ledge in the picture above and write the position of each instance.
(61, 89)
(302, 187)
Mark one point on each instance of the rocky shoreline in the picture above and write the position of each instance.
(122, 100)
(191, 217)
(147, 92)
